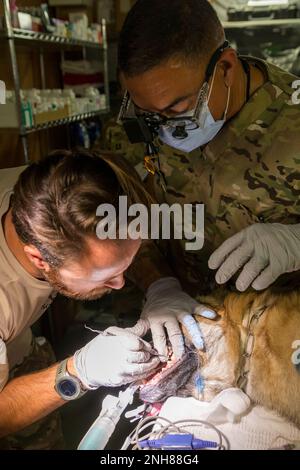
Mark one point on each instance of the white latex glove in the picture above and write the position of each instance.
(114, 360)
(264, 251)
(166, 305)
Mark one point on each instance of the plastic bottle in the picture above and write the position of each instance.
(14, 13)
(98, 435)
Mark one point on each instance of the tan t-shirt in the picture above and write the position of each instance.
(23, 299)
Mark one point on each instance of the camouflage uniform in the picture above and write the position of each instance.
(250, 172)
(116, 140)
(45, 434)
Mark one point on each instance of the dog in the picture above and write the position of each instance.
(251, 345)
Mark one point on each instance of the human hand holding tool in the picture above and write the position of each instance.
(114, 360)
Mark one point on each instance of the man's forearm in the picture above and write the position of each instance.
(27, 399)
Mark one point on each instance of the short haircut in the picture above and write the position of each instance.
(55, 200)
(157, 30)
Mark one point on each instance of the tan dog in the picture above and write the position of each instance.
(253, 345)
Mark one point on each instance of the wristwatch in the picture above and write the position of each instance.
(67, 386)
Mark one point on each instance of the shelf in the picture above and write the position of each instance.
(284, 23)
(48, 38)
(59, 3)
(45, 42)
(63, 122)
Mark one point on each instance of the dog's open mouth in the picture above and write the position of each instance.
(170, 378)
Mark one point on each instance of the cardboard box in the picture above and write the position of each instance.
(42, 118)
(9, 116)
(62, 12)
(64, 7)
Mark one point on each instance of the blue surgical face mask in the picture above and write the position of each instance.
(208, 128)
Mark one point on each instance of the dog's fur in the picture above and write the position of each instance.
(273, 380)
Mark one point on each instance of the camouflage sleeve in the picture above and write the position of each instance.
(277, 174)
(115, 140)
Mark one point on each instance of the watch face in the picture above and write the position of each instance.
(68, 388)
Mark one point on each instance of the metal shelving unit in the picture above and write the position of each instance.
(274, 40)
(284, 23)
(65, 121)
(14, 36)
(24, 35)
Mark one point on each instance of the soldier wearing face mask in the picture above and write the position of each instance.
(227, 135)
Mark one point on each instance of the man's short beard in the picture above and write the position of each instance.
(54, 280)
